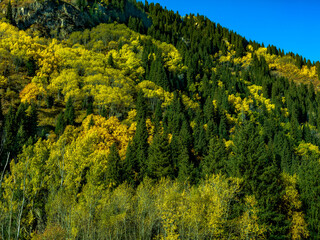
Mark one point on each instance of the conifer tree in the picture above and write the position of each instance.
(159, 158)
(223, 133)
(69, 114)
(90, 105)
(60, 124)
(32, 120)
(140, 139)
(10, 129)
(186, 134)
(1, 113)
(21, 114)
(216, 159)
(9, 13)
(131, 167)
(114, 169)
(255, 165)
(111, 61)
(185, 166)
(22, 136)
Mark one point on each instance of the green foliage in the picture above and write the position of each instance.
(114, 167)
(9, 13)
(201, 134)
(69, 114)
(217, 158)
(159, 158)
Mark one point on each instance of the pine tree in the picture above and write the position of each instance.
(186, 134)
(90, 105)
(309, 182)
(21, 114)
(140, 142)
(69, 114)
(32, 120)
(22, 136)
(261, 175)
(223, 132)
(159, 158)
(114, 168)
(1, 113)
(140, 139)
(185, 166)
(131, 166)
(157, 116)
(110, 61)
(10, 129)
(9, 13)
(60, 124)
(216, 159)
(141, 107)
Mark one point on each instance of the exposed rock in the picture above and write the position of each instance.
(58, 18)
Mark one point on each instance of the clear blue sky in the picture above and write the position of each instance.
(290, 25)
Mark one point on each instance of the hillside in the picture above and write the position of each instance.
(133, 122)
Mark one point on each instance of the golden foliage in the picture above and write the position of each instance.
(293, 205)
(250, 229)
(29, 93)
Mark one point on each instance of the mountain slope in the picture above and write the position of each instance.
(179, 129)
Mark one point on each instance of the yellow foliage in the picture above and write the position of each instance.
(299, 228)
(258, 96)
(29, 93)
(3, 81)
(239, 104)
(151, 90)
(304, 148)
(249, 227)
(292, 206)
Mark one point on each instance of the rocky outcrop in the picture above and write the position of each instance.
(55, 19)
(58, 18)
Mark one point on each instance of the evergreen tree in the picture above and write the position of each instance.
(90, 105)
(114, 169)
(22, 136)
(60, 124)
(157, 116)
(186, 134)
(255, 165)
(141, 107)
(223, 132)
(1, 113)
(185, 166)
(110, 61)
(32, 120)
(216, 159)
(159, 158)
(21, 114)
(131, 165)
(31, 66)
(9, 13)
(140, 141)
(69, 114)
(309, 188)
(10, 129)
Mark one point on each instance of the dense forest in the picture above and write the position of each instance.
(152, 125)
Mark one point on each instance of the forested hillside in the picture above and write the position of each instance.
(144, 124)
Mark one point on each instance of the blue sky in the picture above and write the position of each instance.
(290, 25)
